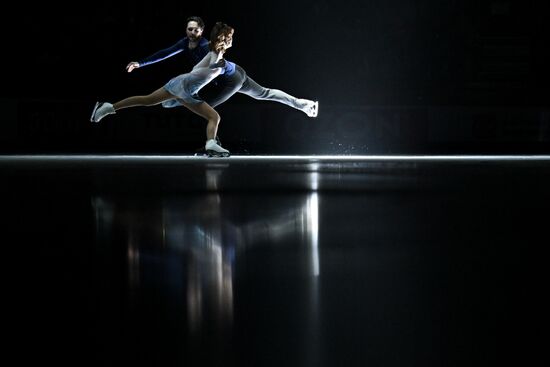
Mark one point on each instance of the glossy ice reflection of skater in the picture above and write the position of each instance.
(183, 89)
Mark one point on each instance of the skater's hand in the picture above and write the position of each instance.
(131, 66)
(219, 64)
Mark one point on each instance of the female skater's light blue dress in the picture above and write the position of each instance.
(186, 86)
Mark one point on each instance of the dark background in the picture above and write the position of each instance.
(392, 77)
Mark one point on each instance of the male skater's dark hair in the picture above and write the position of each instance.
(194, 18)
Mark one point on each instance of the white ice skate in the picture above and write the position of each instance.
(311, 108)
(101, 109)
(214, 150)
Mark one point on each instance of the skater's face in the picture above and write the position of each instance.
(194, 32)
(225, 42)
(228, 40)
(221, 37)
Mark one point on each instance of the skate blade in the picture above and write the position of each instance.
(213, 153)
(97, 104)
(315, 109)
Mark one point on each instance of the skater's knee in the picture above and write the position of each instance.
(215, 118)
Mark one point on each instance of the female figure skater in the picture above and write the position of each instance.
(234, 80)
(183, 89)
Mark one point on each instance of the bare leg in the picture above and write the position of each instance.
(157, 97)
(204, 110)
(160, 95)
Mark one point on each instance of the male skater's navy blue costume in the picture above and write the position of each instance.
(234, 79)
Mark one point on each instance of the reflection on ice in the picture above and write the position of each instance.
(187, 246)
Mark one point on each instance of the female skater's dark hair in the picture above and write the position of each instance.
(218, 35)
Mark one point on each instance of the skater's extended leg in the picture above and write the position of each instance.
(256, 91)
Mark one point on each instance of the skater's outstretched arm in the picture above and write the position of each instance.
(157, 56)
(193, 46)
(208, 61)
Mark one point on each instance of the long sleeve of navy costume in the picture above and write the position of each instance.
(194, 55)
(232, 79)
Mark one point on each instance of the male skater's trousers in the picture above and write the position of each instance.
(242, 83)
